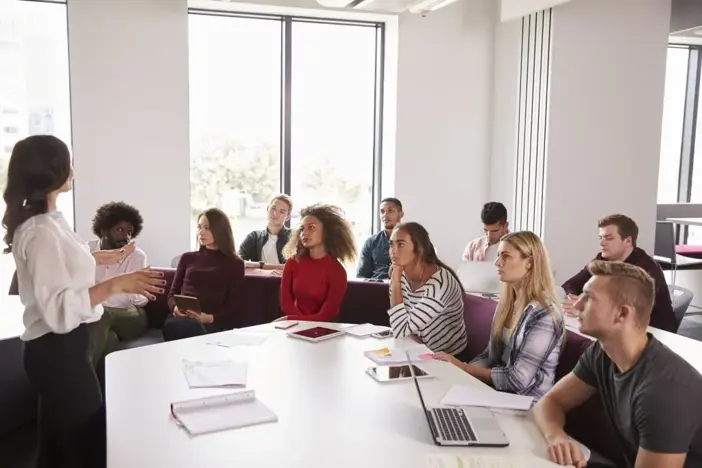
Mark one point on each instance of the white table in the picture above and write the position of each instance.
(687, 221)
(330, 412)
(11, 312)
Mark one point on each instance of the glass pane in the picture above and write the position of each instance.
(235, 83)
(671, 133)
(34, 91)
(695, 232)
(333, 96)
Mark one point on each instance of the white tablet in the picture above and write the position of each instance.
(316, 334)
(385, 374)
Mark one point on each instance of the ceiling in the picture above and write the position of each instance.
(384, 6)
(688, 36)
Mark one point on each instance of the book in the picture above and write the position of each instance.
(214, 373)
(221, 412)
(459, 395)
(392, 356)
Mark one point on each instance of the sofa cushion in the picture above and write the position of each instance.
(693, 251)
(152, 336)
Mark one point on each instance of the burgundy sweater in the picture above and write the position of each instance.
(662, 315)
(214, 278)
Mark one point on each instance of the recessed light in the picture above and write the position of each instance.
(697, 32)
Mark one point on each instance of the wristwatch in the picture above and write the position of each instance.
(260, 265)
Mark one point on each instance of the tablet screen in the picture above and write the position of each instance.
(390, 373)
(316, 332)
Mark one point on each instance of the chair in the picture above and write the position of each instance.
(682, 298)
(176, 259)
(665, 254)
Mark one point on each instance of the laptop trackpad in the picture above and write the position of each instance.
(484, 424)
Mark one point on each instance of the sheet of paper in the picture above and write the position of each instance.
(488, 461)
(388, 357)
(214, 374)
(459, 395)
(365, 329)
(239, 338)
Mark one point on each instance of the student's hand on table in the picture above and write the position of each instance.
(248, 264)
(145, 282)
(200, 317)
(447, 358)
(565, 452)
(569, 305)
(276, 272)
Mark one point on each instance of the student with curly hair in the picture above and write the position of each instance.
(116, 225)
(314, 279)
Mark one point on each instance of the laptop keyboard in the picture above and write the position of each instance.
(453, 425)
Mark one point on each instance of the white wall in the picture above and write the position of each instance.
(129, 97)
(444, 106)
(508, 40)
(606, 104)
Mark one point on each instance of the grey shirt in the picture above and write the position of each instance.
(655, 405)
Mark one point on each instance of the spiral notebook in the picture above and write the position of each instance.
(221, 412)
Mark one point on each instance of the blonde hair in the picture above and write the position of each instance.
(628, 284)
(284, 198)
(537, 285)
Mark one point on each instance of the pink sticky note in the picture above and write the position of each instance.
(426, 356)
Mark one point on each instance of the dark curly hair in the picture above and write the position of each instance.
(112, 213)
(337, 235)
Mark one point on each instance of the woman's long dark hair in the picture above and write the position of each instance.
(423, 247)
(221, 230)
(39, 164)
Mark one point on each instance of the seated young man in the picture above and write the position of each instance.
(264, 249)
(495, 225)
(116, 225)
(618, 234)
(375, 254)
(650, 394)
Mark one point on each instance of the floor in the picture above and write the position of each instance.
(18, 449)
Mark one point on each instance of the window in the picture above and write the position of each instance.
(33, 46)
(295, 111)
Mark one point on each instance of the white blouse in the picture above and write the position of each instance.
(55, 270)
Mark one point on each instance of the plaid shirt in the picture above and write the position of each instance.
(536, 347)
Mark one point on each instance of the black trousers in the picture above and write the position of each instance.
(71, 411)
(178, 328)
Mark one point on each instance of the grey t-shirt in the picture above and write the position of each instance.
(655, 405)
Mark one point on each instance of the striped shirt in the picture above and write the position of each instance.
(433, 313)
(535, 348)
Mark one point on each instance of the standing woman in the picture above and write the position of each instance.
(426, 296)
(528, 330)
(214, 274)
(314, 279)
(56, 279)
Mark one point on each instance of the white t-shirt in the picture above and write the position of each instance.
(491, 253)
(269, 252)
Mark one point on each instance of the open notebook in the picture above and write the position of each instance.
(221, 412)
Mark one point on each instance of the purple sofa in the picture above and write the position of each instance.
(368, 302)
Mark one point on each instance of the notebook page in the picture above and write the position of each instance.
(239, 338)
(214, 373)
(365, 329)
(459, 395)
(388, 356)
(222, 412)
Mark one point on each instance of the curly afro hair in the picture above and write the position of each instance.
(112, 213)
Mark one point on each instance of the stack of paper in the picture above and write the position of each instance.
(217, 413)
(389, 357)
(214, 374)
(365, 329)
(458, 395)
(239, 338)
(526, 460)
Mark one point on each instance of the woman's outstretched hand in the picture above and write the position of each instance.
(146, 282)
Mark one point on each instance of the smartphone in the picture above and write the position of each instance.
(382, 334)
(396, 373)
(285, 325)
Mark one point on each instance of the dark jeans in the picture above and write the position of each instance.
(71, 413)
(178, 328)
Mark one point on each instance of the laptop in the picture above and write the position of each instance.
(479, 277)
(461, 426)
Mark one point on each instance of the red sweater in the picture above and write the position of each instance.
(214, 278)
(312, 289)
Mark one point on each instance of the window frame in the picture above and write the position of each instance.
(287, 24)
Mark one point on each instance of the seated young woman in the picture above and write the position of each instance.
(528, 329)
(426, 296)
(214, 274)
(314, 279)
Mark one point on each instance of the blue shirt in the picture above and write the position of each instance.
(375, 257)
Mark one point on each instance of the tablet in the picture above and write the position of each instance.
(316, 334)
(396, 373)
(186, 303)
